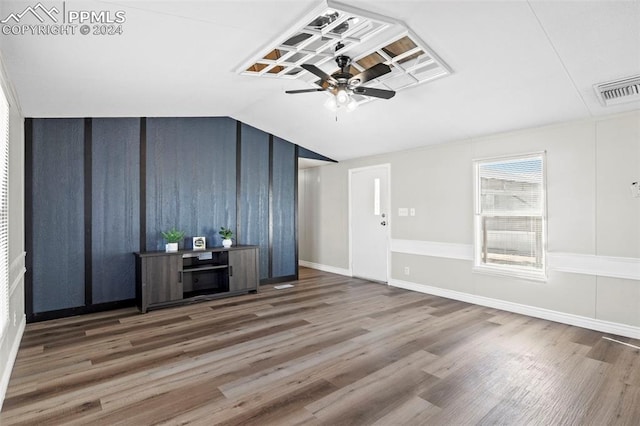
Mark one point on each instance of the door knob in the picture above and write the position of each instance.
(383, 223)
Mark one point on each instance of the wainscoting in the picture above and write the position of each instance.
(602, 267)
(601, 273)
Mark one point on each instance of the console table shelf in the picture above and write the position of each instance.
(188, 276)
(205, 268)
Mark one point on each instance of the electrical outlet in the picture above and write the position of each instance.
(406, 270)
(412, 211)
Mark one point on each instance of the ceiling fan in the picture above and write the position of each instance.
(342, 84)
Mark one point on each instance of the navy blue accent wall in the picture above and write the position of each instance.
(254, 193)
(100, 189)
(283, 239)
(58, 214)
(115, 207)
(307, 153)
(191, 177)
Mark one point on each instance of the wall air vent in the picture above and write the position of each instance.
(619, 91)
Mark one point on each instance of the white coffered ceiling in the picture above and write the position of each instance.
(516, 64)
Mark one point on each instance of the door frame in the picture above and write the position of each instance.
(387, 169)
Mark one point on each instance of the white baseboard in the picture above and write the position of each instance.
(325, 268)
(13, 353)
(532, 311)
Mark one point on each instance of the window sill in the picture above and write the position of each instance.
(512, 273)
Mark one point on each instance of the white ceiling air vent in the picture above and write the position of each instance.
(619, 91)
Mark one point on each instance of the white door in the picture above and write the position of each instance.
(369, 221)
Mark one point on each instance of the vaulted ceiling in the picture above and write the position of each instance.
(515, 64)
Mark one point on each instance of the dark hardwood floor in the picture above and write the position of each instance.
(330, 351)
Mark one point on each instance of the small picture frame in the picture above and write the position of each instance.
(199, 243)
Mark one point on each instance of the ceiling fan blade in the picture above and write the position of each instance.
(293, 92)
(318, 72)
(375, 71)
(376, 93)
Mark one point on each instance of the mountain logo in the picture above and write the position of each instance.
(39, 11)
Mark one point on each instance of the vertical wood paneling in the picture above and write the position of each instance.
(283, 237)
(99, 189)
(190, 177)
(28, 215)
(142, 156)
(254, 193)
(115, 207)
(88, 190)
(58, 214)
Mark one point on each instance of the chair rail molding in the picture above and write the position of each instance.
(17, 269)
(604, 266)
(588, 264)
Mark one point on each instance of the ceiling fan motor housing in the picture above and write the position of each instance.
(343, 62)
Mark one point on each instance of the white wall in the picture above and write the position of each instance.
(593, 222)
(10, 339)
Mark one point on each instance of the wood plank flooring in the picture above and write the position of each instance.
(330, 351)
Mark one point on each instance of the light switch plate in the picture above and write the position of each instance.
(403, 211)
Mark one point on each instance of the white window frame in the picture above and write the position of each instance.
(509, 270)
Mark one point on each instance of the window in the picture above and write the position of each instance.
(4, 211)
(510, 216)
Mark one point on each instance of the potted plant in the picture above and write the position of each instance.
(173, 237)
(226, 234)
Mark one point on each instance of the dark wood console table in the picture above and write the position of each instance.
(187, 276)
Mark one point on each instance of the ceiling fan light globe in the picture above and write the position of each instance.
(331, 103)
(352, 105)
(342, 97)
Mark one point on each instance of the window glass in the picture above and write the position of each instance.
(510, 215)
